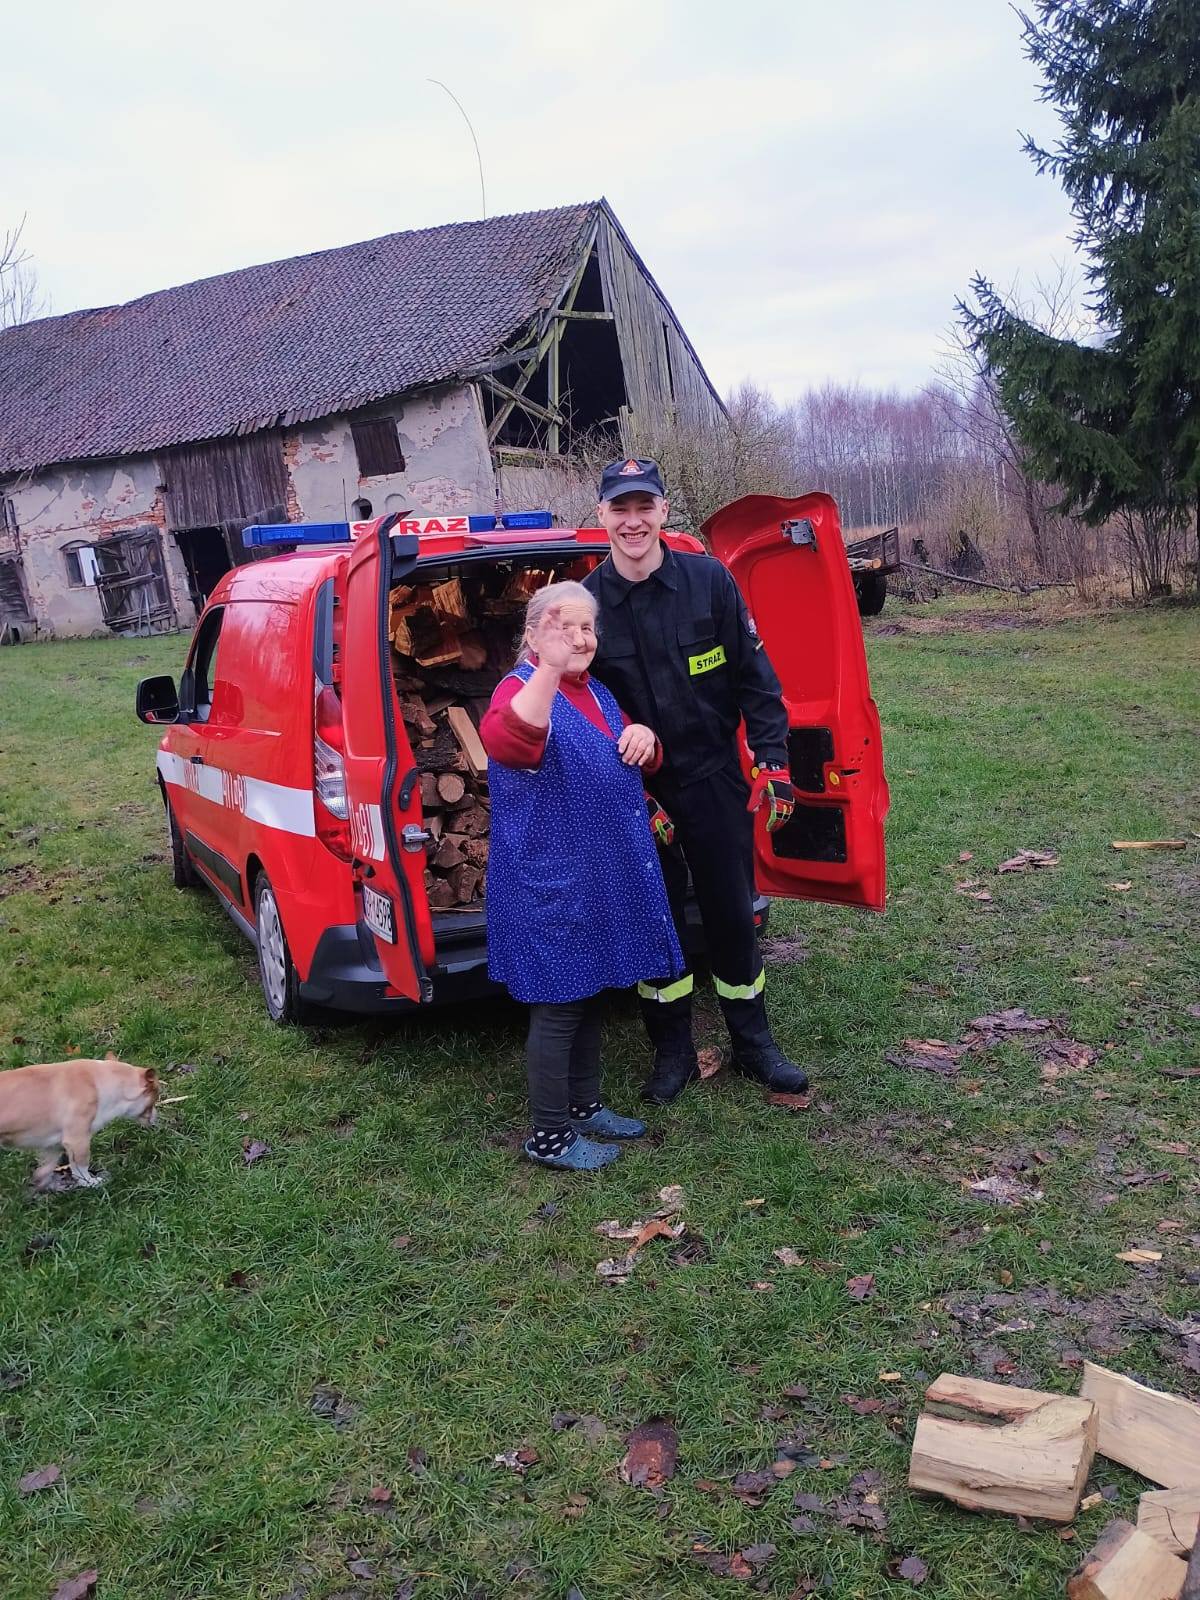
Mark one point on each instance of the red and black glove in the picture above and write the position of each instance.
(774, 785)
(660, 823)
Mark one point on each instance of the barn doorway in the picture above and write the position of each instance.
(206, 557)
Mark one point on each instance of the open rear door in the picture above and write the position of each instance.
(788, 559)
(380, 771)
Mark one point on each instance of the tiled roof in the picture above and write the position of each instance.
(282, 343)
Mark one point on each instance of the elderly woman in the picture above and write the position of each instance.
(575, 896)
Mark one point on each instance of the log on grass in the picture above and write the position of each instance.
(1171, 1516)
(1156, 1434)
(1125, 1564)
(992, 1447)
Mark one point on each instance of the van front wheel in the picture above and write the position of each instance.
(280, 980)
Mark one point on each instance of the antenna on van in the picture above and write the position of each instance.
(474, 141)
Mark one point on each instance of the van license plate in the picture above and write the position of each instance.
(379, 915)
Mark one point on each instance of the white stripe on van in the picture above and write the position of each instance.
(274, 805)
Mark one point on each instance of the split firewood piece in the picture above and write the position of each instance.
(1125, 1564)
(475, 821)
(989, 1447)
(451, 788)
(472, 651)
(449, 852)
(469, 742)
(441, 895)
(435, 822)
(449, 602)
(1156, 1434)
(430, 798)
(402, 635)
(464, 883)
(442, 648)
(477, 852)
(1149, 844)
(412, 709)
(1169, 1515)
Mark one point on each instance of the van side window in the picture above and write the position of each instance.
(204, 663)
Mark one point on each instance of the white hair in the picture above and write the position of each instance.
(547, 598)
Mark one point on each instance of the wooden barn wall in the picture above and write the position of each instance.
(646, 329)
(224, 481)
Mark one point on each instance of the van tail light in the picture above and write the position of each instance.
(329, 773)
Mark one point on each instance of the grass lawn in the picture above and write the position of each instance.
(226, 1359)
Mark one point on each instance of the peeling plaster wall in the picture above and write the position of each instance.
(91, 502)
(447, 464)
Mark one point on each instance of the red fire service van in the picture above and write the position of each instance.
(321, 768)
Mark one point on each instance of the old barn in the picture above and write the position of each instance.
(447, 369)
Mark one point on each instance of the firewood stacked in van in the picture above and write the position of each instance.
(452, 643)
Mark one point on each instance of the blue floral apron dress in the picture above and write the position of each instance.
(575, 895)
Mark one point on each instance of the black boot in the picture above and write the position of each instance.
(755, 1053)
(669, 1025)
(768, 1065)
(670, 1076)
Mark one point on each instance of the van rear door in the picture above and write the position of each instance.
(380, 770)
(789, 561)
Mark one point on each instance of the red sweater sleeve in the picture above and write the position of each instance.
(508, 738)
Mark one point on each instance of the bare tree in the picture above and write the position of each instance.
(20, 297)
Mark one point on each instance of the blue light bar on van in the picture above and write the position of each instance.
(261, 534)
(512, 520)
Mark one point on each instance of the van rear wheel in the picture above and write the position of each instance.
(276, 970)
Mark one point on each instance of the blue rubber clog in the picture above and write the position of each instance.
(584, 1155)
(609, 1125)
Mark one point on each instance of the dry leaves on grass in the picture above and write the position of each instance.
(788, 1257)
(641, 1231)
(742, 1564)
(911, 1568)
(1061, 1057)
(928, 1055)
(789, 1102)
(1015, 1019)
(254, 1150)
(1025, 859)
(861, 1288)
(41, 1478)
(651, 1453)
(1003, 1190)
(1139, 1258)
(971, 888)
(518, 1460)
(332, 1406)
(710, 1061)
(79, 1587)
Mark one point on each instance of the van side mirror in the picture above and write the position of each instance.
(158, 700)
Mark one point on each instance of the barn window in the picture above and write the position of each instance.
(81, 565)
(377, 446)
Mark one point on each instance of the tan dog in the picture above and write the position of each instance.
(59, 1106)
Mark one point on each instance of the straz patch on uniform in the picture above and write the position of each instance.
(706, 662)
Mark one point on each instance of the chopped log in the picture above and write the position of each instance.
(468, 738)
(437, 703)
(1171, 1516)
(444, 756)
(449, 602)
(1156, 1434)
(477, 852)
(430, 798)
(449, 852)
(477, 821)
(464, 883)
(451, 788)
(472, 651)
(989, 1447)
(1125, 1564)
(434, 822)
(439, 650)
(441, 895)
(412, 709)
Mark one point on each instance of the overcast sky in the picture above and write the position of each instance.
(812, 184)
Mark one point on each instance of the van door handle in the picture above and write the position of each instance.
(197, 761)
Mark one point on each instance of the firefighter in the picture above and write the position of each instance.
(680, 652)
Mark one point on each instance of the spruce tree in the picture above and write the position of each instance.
(1116, 422)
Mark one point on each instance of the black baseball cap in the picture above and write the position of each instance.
(631, 476)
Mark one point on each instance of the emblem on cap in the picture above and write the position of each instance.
(630, 470)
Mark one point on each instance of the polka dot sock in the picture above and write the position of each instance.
(582, 1113)
(552, 1141)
